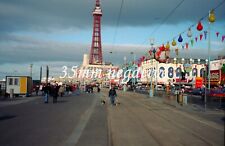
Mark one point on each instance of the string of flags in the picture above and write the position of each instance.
(185, 44)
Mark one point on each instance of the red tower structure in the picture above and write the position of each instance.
(96, 46)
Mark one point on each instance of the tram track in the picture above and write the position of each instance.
(163, 117)
(136, 106)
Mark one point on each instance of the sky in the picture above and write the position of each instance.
(59, 32)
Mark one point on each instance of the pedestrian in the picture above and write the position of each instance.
(112, 95)
(98, 89)
(46, 90)
(55, 90)
(67, 89)
(61, 91)
(37, 89)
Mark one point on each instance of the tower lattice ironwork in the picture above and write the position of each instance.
(96, 46)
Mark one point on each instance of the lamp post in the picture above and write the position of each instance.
(211, 19)
(206, 63)
(151, 73)
(133, 66)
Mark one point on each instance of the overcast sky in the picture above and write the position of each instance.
(58, 32)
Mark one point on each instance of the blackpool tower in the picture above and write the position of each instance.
(96, 46)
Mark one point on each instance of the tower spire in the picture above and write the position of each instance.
(97, 3)
(96, 46)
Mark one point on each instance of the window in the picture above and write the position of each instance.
(16, 81)
(10, 81)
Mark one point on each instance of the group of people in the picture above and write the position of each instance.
(90, 89)
(54, 90)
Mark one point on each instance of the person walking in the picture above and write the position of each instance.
(112, 95)
(55, 90)
(61, 91)
(37, 89)
(98, 89)
(46, 90)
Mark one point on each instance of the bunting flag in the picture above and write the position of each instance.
(217, 34)
(192, 42)
(205, 34)
(223, 37)
(186, 46)
(196, 39)
(157, 52)
(201, 37)
(150, 52)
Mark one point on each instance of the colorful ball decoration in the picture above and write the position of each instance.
(212, 17)
(189, 33)
(199, 26)
(167, 46)
(180, 39)
(174, 43)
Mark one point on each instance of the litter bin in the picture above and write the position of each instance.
(11, 91)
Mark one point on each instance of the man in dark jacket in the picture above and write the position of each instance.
(112, 95)
(55, 90)
(46, 90)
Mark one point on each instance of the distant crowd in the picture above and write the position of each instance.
(55, 90)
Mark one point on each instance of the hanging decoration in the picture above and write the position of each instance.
(143, 58)
(196, 39)
(199, 26)
(192, 42)
(186, 45)
(160, 51)
(154, 50)
(223, 37)
(189, 33)
(200, 37)
(174, 43)
(212, 17)
(150, 52)
(182, 46)
(180, 39)
(167, 48)
(217, 34)
(205, 34)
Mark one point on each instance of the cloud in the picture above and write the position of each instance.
(42, 15)
(24, 49)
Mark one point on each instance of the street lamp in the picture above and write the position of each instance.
(211, 19)
(133, 66)
(151, 73)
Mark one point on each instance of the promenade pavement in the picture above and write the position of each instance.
(82, 120)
